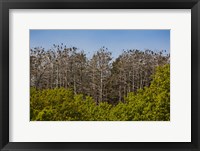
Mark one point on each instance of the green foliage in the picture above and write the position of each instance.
(149, 104)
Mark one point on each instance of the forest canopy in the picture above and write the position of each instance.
(68, 86)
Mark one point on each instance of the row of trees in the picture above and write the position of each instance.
(148, 104)
(100, 77)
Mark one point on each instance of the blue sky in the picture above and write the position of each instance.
(92, 40)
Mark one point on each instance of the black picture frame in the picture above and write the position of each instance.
(5, 5)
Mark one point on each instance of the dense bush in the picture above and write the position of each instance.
(148, 104)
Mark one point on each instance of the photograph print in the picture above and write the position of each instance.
(99, 75)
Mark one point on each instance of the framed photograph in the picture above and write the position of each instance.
(99, 75)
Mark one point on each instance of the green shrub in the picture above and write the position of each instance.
(149, 104)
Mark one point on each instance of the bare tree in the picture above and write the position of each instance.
(100, 77)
